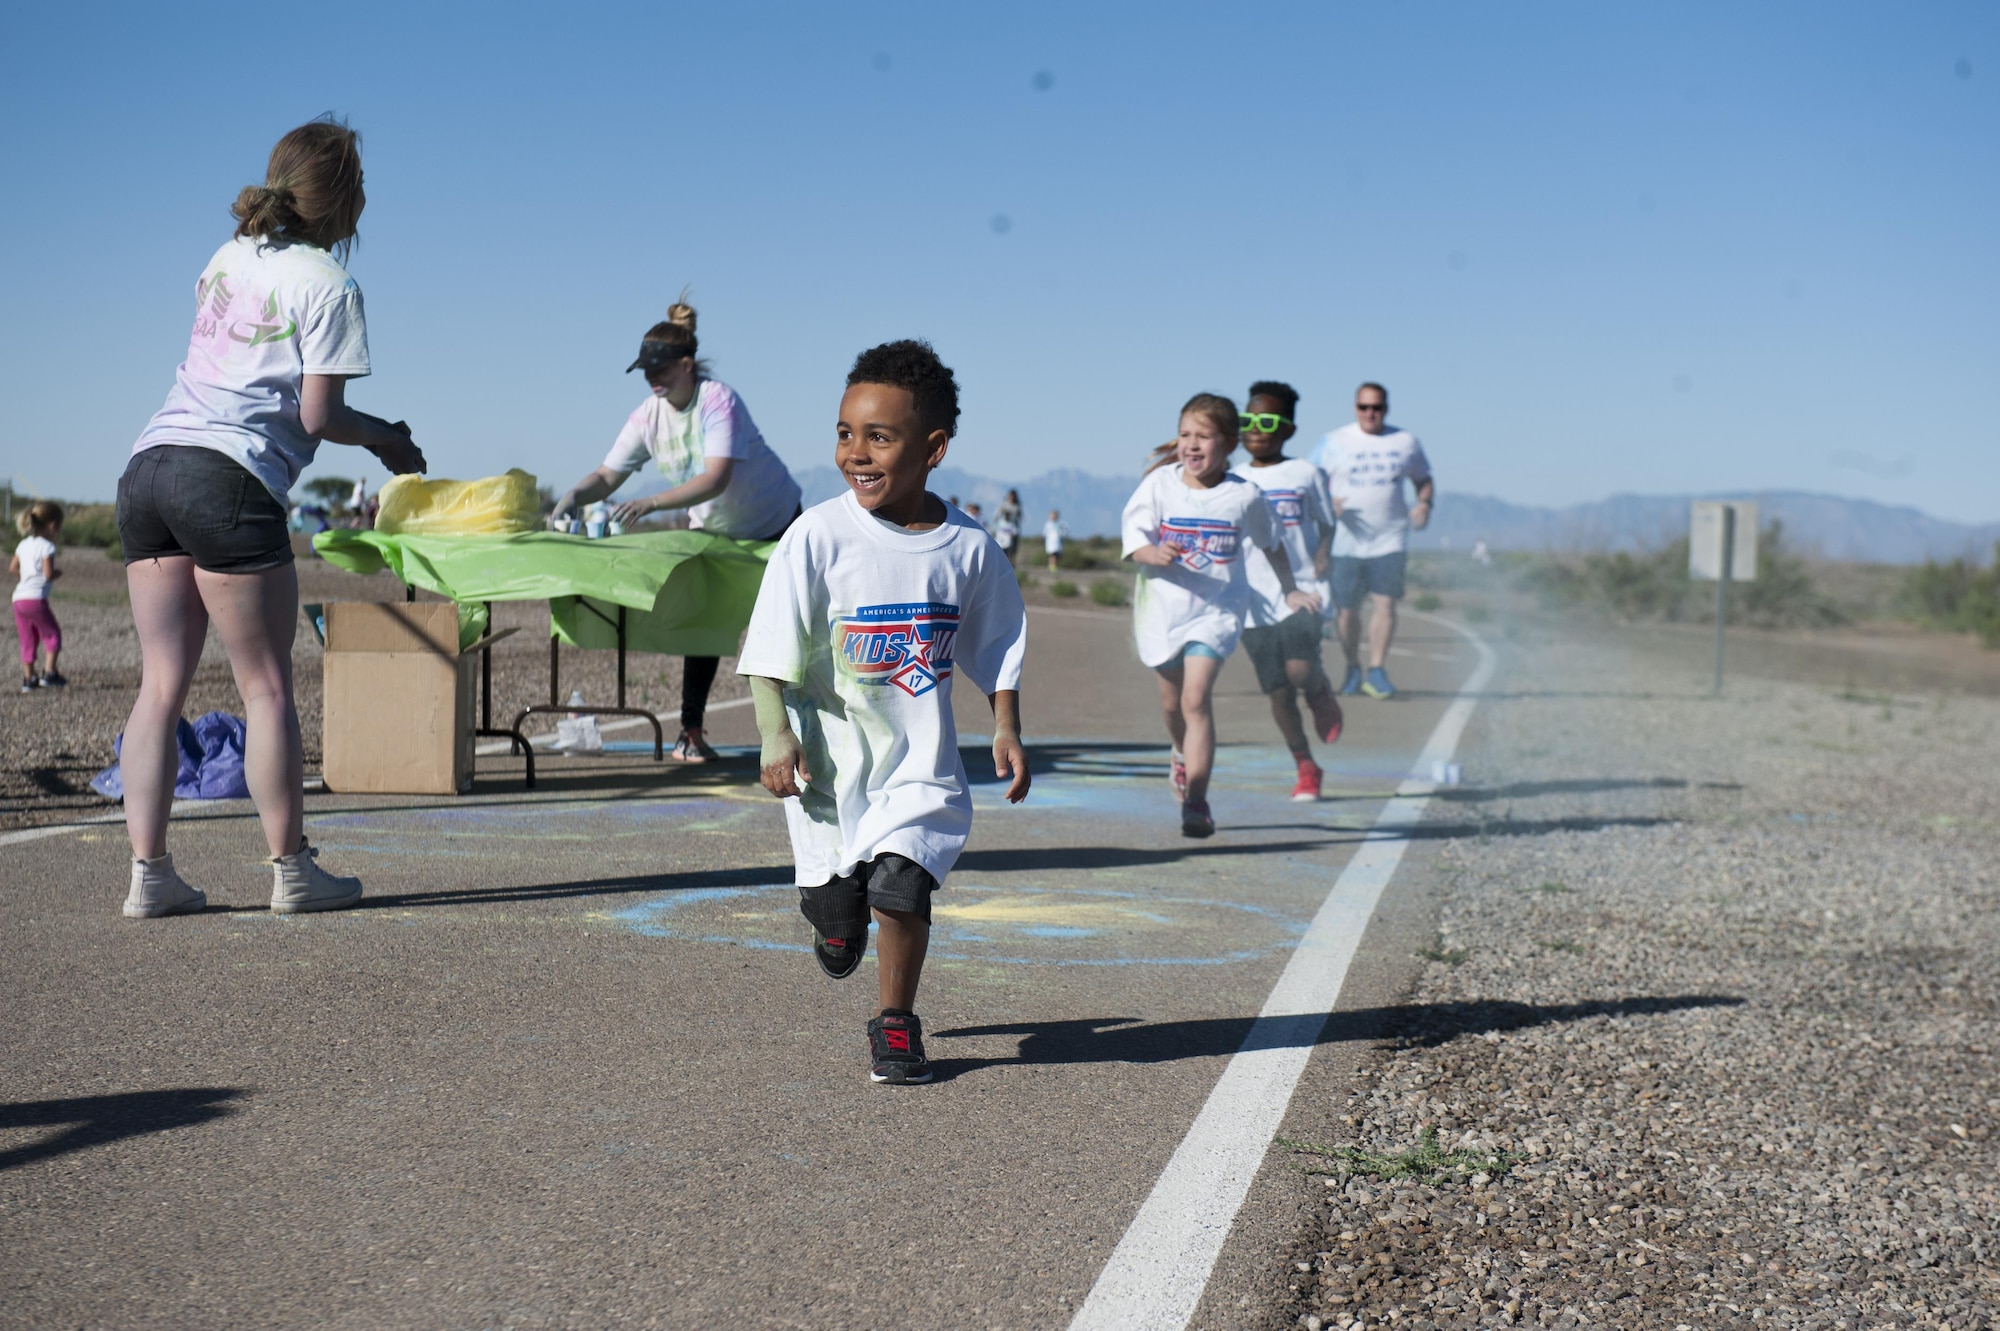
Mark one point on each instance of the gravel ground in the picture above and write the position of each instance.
(54, 740)
(1718, 977)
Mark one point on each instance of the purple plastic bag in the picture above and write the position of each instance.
(211, 761)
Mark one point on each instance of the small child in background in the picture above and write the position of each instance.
(1053, 532)
(1186, 527)
(34, 562)
(871, 607)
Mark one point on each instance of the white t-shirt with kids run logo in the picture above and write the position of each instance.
(867, 624)
(1365, 472)
(266, 315)
(761, 495)
(1296, 491)
(1204, 595)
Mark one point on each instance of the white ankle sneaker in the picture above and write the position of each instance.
(157, 890)
(299, 884)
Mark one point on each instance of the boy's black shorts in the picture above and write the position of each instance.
(838, 908)
(1293, 639)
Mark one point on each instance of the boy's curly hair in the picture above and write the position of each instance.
(1282, 392)
(911, 364)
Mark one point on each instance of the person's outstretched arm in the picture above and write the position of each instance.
(1420, 516)
(589, 490)
(324, 414)
(711, 481)
(1281, 564)
(1009, 758)
(783, 760)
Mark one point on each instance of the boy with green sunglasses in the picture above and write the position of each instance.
(1284, 644)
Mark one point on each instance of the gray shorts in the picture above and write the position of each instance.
(1355, 578)
(1293, 639)
(198, 502)
(839, 907)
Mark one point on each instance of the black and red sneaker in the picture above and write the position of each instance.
(838, 956)
(896, 1044)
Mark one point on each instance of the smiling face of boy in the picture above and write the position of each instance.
(885, 455)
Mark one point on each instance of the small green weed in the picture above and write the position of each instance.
(1427, 601)
(1550, 887)
(1560, 945)
(1024, 577)
(1450, 956)
(1477, 614)
(1062, 587)
(1108, 593)
(1425, 1160)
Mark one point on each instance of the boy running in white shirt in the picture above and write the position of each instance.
(870, 604)
(1283, 643)
(1186, 526)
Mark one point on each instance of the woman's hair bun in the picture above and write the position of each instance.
(681, 314)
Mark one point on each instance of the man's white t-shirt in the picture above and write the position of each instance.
(867, 624)
(1204, 594)
(34, 552)
(266, 315)
(1296, 491)
(761, 495)
(1365, 472)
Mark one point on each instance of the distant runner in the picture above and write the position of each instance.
(1366, 464)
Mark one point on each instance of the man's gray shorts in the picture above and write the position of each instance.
(1355, 578)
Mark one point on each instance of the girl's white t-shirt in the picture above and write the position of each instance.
(266, 314)
(867, 624)
(761, 495)
(1204, 595)
(1296, 491)
(34, 552)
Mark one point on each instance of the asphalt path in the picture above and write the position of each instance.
(571, 1064)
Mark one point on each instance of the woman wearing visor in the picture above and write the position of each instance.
(700, 435)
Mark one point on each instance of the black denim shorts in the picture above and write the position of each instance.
(176, 500)
(838, 907)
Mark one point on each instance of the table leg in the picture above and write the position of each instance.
(621, 656)
(555, 645)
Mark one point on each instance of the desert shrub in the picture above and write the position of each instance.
(1427, 601)
(1108, 592)
(1655, 585)
(1062, 587)
(1959, 596)
(1024, 577)
(330, 492)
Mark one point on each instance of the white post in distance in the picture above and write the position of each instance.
(1722, 545)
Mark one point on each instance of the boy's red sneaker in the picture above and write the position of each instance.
(1310, 776)
(1327, 718)
(896, 1044)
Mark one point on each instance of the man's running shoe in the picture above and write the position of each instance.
(896, 1046)
(838, 956)
(1195, 819)
(1177, 775)
(1377, 684)
(1350, 683)
(1327, 718)
(691, 747)
(1310, 776)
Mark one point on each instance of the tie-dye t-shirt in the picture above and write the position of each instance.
(867, 625)
(1204, 595)
(761, 495)
(266, 315)
(1296, 491)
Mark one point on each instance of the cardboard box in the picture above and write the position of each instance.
(398, 701)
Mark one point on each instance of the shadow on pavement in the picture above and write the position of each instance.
(1127, 1040)
(98, 1119)
(592, 887)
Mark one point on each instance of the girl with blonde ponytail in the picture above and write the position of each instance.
(278, 332)
(697, 431)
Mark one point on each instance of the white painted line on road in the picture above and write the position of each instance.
(1156, 1275)
(548, 741)
(101, 820)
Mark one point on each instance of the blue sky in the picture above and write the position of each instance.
(1590, 248)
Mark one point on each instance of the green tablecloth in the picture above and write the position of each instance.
(685, 593)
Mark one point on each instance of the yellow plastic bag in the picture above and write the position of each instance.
(491, 506)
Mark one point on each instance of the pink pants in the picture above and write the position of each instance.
(36, 624)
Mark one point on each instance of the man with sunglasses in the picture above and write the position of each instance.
(1366, 464)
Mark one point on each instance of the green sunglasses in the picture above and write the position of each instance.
(1262, 422)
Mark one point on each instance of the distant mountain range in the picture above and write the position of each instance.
(1820, 525)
